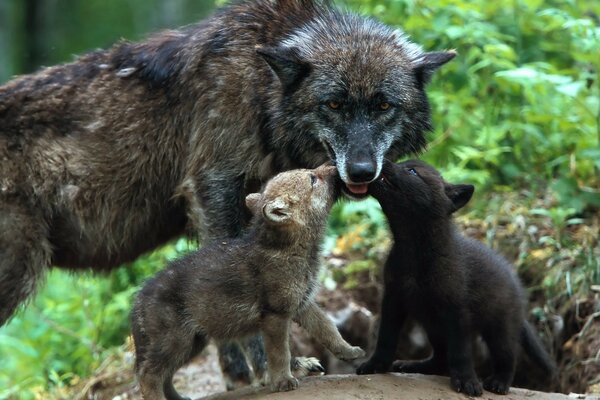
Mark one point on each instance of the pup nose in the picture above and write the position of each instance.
(363, 171)
(326, 169)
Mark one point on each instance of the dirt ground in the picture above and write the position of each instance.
(202, 379)
(382, 387)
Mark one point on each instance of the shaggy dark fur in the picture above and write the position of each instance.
(109, 156)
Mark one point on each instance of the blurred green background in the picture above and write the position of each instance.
(517, 113)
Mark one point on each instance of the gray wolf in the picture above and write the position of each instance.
(123, 149)
(456, 287)
(232, 289)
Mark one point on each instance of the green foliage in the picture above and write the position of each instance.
(72, 324)
(520, 103)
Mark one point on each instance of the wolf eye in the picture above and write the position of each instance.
(412, 171)
(313, 180)
(334, 105)
(384, 106)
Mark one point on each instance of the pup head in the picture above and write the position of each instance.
(414, 189)
(296, 199)
(360, 87)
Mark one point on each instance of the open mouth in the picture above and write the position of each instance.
(355, 190)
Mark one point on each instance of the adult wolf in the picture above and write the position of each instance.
(113, 154)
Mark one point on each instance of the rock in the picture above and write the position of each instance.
(380, 387)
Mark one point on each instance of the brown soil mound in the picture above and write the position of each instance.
(381, 387)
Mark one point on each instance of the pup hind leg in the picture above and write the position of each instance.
(161, 359)
(436, 364)
(25, 255)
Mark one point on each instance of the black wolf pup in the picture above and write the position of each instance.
(233, 289)
(456, 287)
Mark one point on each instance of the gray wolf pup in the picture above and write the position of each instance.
(123, 149)
(231, 289)
(455, 287)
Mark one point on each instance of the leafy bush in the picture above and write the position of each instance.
(72, 324)
(520, 104)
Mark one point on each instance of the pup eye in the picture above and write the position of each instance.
(334, 105)
(313, 180)
(412, 171)
(385, 106)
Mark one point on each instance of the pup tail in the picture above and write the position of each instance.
(535, 349)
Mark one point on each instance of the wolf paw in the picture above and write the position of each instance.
(467, 385)
(351, 353)
(496, 385)
(372, 367)
(284, 384)
(303, 366)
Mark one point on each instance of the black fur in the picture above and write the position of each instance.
(455, 287)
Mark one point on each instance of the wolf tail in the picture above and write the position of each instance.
(535, 349)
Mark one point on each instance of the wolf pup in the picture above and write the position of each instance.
(260, 281)
(454, 286)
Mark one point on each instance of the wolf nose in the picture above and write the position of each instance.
(361, 171)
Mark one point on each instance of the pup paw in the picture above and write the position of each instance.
(402, 366)
(351, 353)
(303, 366)
(372, 367)
(496, 385)
(284, 384)
(467, 385)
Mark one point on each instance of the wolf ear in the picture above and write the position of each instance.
(459, 195)
(425, 65)
(252, 201)
(277, 211)
(286, 63)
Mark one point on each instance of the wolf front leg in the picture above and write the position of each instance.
(275, 329)
(319, 326)
(25, 255)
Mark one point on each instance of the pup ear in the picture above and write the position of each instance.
(459, 195)
(277, 211)
(252, 201)
(286, 63)
(425, 65)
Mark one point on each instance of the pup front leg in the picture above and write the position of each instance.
(387, 336)
(460, 354)
(319, 326)
(275, 329)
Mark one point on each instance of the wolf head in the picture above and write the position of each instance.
(357, 87)
(414, 189)
(296, 199)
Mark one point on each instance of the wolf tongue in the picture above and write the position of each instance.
(358, 188)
